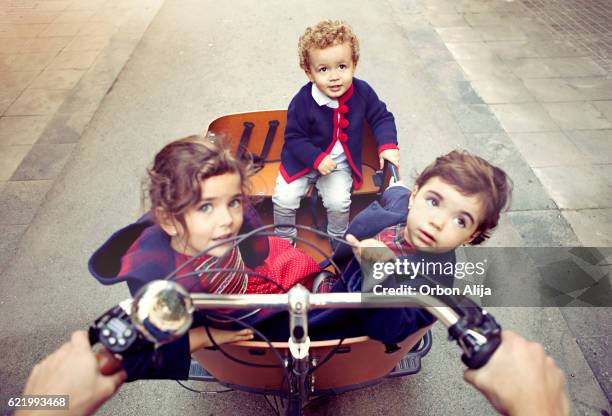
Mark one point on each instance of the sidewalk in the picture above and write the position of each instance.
(542, 68)
(58, 59)
(507, 80)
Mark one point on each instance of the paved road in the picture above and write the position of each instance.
(201, 59)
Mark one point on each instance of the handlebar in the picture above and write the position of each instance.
(325, 301)
(475, 331)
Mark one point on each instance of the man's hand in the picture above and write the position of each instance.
(392, 155)
(74, 371)
(198, 337)
(520, 379)
(370, 250)
(326, 166)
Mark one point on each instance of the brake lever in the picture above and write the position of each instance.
(379, 175)
(478, 340)
(476, 332)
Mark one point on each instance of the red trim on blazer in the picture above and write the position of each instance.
(346, 96)
(357, 177)
(319, 159)
(387, 147)
(288, 178)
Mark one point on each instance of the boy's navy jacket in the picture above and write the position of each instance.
(385, 325)
(310, 130)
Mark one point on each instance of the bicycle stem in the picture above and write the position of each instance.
(299, 341)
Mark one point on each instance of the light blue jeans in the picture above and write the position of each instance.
(335, 191)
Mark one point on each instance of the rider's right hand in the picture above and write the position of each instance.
(107, 362)
(72, 370)
(520, 379)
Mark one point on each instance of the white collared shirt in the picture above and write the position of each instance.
(337, 152)
(321, 99)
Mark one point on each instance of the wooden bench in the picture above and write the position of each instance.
(233, 126)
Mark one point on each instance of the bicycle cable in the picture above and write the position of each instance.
(327, 357)
(203, 391)
(238, 239)
(275, 410)
(256, 331)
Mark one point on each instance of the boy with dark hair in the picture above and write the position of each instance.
(456, 200)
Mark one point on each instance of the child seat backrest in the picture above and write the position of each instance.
(252, 129)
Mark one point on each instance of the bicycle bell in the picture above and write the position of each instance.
(162, 311)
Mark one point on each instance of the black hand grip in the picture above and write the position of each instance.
(107, 362)
(394, 171)
(478, 334)
(92, 334)
(481, 354)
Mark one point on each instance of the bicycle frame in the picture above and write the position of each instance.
(162, 311)
(478, 341)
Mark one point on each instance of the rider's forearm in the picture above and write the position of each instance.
(540, 407)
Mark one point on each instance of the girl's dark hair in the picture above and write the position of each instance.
(178, 169)
(472, 175)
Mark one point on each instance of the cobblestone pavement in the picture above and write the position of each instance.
(542, 68)
(58, 59)
(584, 23)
